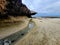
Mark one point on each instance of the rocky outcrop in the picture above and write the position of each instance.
(14, 8)
(2, 6)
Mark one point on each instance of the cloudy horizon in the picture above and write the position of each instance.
(43, 6)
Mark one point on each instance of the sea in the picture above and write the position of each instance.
(46, 15)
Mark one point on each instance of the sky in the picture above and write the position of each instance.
(44, 6)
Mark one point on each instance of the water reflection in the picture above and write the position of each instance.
(16, 36)
(31, 25)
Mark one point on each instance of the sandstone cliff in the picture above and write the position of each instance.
(13, 8)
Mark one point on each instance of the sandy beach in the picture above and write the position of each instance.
(10, 27)
(45, 32)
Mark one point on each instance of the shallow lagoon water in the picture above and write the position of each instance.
(16, 36)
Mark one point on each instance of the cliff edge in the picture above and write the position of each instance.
(14, 8)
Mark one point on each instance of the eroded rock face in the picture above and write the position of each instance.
(2, 9)
(2, 6)
(13, 8)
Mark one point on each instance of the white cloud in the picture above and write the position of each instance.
(43, 6)
(52, 8)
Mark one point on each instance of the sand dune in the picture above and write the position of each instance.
(45, 32)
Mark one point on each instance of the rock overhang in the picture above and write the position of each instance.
(16, 8)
